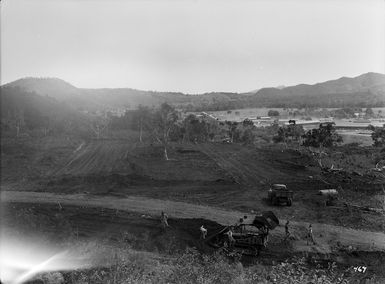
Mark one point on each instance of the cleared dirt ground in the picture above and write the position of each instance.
(230, 176)
(114, 187)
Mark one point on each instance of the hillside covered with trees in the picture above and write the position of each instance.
(367, 90)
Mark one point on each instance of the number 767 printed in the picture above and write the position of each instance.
(361, 269)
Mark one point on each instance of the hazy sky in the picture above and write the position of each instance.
(191, 46)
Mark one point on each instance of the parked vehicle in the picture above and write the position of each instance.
(278, 194)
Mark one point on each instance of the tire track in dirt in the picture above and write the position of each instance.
(228, 164)
(327, 236)
(251, 171)
(238, 164)
(96, 157)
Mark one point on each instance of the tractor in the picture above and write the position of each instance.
(278, 193)
(249, 238)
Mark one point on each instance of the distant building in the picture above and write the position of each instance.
(207, 115)
(307, 124)
(263, 118)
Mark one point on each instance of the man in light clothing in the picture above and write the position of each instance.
(163, 220)
(310, 235)
(203, 232)
(231, 238)
(287, 230)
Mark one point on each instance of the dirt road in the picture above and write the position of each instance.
(327, 237)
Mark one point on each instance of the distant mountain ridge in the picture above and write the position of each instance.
(338, 86)
(365, 90)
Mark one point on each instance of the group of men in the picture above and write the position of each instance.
(229, 233)
(241, 225)
(309, 235)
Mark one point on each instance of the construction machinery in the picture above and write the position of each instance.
(247, 238)
(278, 193)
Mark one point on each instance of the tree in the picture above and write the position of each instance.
(18, 121)
(273, 113)
(369, 112)
(164, 119)
(291, 132)
(195, 129)
(141, 119)
(295, 131)
(324, 136)
(232, 130)
(248, 135)
(245, 132)
(378, 135)
(99, 125)
(247, 122)
(199, 129)
(212, 129)
(47, 125)
(281, 135)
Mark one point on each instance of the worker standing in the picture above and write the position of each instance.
(163, 220)
(287, 232)
(264, 229)
(310, 236)
(241, 226)
(203, 232)
(231, 238)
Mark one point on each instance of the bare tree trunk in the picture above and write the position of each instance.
(140, 132)
(320, 162)
(165, 153)
(383, 198)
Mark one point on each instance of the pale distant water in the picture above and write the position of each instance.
(241, 114)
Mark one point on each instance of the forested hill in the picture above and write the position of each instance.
(29, 110)
(367, 90)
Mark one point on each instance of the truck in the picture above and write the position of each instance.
(278, 194)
